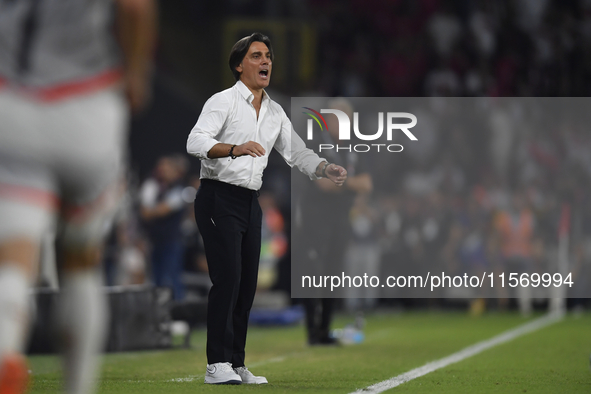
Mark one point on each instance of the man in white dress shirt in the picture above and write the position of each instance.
(233, 136)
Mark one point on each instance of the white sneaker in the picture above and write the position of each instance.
(248, 377)
(221, 373)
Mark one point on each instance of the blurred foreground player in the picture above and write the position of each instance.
(63, 115)
(233, 137)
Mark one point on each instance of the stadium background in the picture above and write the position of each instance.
(459, 179)
(457, 182)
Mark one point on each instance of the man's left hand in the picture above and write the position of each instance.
(336, 173)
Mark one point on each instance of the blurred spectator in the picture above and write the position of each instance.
(162, 208)
(445, 30)
(468, 246)
(195, 253)
(124, 256)
(273, 241)
(443, 81)
(502, 139)
(514, 231)
(363, 254)
(132, 263)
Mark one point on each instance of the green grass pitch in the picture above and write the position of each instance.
(554, 359)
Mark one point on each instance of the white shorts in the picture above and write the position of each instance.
(60, 160)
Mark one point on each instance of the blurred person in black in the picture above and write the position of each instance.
(67, 82)
(162, 208)
(326, 240)
(233, 137)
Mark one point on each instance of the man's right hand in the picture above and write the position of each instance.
(251, 148)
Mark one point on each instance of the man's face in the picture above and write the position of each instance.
(166, 171)
(256, 66)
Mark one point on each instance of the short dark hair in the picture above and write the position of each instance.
(240, 49)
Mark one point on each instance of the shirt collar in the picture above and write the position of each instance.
(247, 94)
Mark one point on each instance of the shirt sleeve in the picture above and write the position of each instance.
(174, 199)
(148, 193)
(294, 151)
(209, 125)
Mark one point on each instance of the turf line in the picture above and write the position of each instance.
(463, 354)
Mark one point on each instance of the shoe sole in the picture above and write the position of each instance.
(224, 382)
(14, 375)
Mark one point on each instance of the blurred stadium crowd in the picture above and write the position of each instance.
(455, 48)
(469, 199)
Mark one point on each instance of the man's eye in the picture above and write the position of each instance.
(256, 56)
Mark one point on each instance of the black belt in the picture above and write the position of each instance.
(229, 187)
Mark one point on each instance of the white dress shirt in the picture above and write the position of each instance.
(149, 193)
(230, 117)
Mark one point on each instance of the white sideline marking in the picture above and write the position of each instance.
(462, 354)
(189, 378)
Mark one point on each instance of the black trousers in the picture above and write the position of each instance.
(318, 317)
(324, 234)
(229, 219)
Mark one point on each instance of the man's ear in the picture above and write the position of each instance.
(239, 68)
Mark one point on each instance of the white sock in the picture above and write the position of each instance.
(14, 311)
(82, 321)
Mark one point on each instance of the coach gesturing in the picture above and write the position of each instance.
(233, 135)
